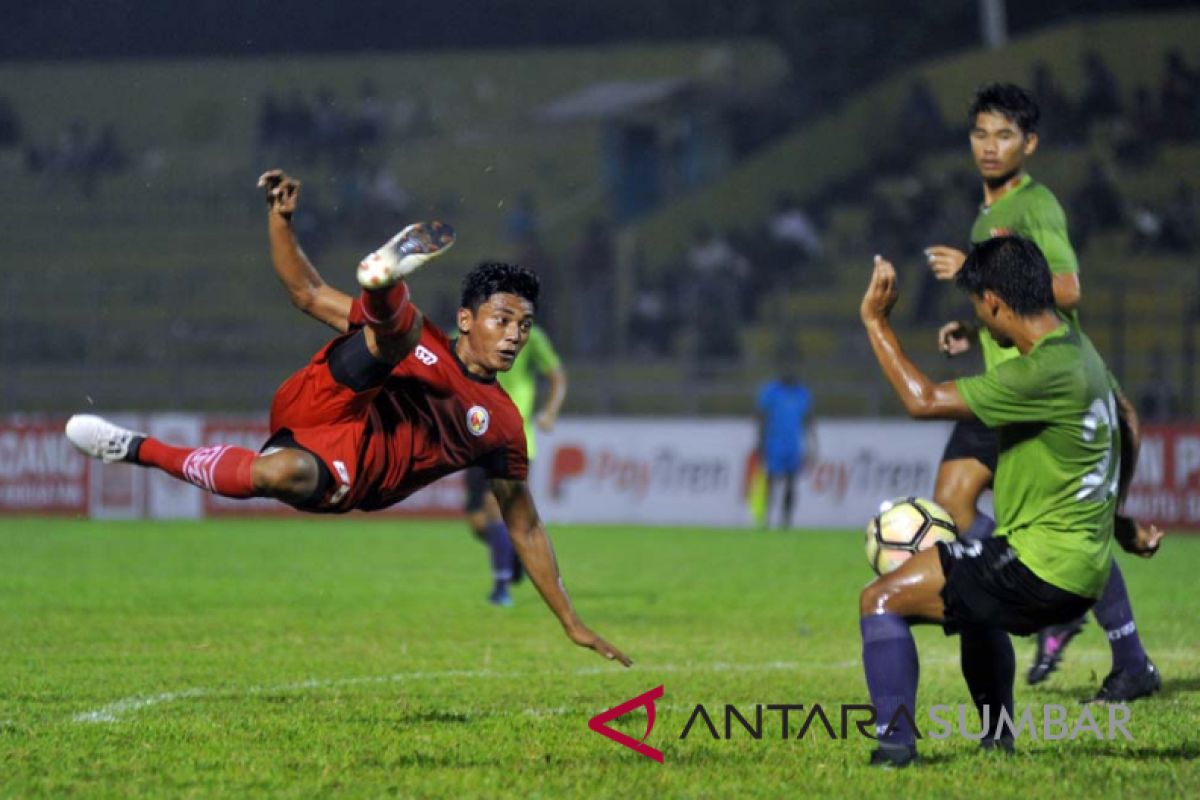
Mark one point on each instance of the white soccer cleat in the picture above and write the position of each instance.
(404, 254)
(99, 438)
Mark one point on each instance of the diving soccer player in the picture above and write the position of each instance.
(388, 406)
(1004, 134)
(1063, 469)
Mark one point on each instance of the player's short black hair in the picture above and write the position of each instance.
(491, 277)
(1011, 101)
(1012, 267)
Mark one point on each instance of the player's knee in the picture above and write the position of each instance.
(289, 474)
(869, 599)
(873, 598)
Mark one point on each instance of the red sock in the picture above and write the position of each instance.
(387, 311)
(221, 469)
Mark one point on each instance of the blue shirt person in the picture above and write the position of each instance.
(784, 436)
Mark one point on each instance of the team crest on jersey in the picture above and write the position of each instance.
(477, 420)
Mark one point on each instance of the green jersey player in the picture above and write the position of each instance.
(1004, 124)
(537, 360)
(1064, 431)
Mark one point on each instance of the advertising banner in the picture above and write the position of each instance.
(1166, 489)
(696, 472)
(40, 472)
(699, 472)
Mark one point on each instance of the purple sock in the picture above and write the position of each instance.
(502, 552)
(980, 529)
(1115, 615)
(890, 662)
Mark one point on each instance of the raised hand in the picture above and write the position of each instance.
(945, 261)
(881, 293)
(954, 338)
(282, 190)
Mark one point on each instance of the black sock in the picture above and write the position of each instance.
(989, 665)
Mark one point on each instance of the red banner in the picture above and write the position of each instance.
(40, 473)
(39, 469)
(1166, 489)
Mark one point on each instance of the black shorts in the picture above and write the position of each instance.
(972, 439)
(477, 488)
(988, 586)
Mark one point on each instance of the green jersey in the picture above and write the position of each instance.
(1030, 210)
(1060, 453)
(536, 358)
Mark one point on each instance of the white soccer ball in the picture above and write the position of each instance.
(904, 526)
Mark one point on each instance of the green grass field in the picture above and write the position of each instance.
(355, 657)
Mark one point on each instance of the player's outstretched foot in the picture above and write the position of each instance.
(404, 254)
(99, 438)
(500, 597)
(1051, 643)
(893, 756)
(1123, 686)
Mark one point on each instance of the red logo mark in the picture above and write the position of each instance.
(569, 462)
(599, 723)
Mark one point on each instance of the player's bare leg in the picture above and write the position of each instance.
(887, 605)
(285, 474)
(393, 323)
(959, 485)
(914, 589)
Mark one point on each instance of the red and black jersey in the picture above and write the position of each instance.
(435, 418)
(431, 417)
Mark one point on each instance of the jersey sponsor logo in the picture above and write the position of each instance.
(425, 355)
(478, 420)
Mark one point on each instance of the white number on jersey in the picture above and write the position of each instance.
(1097, 487)
(425, 355)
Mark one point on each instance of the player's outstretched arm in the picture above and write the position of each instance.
(922, 398)
(307, 290)
(945, 262)
(537, 555)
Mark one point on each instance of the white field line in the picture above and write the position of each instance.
(113, 712)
